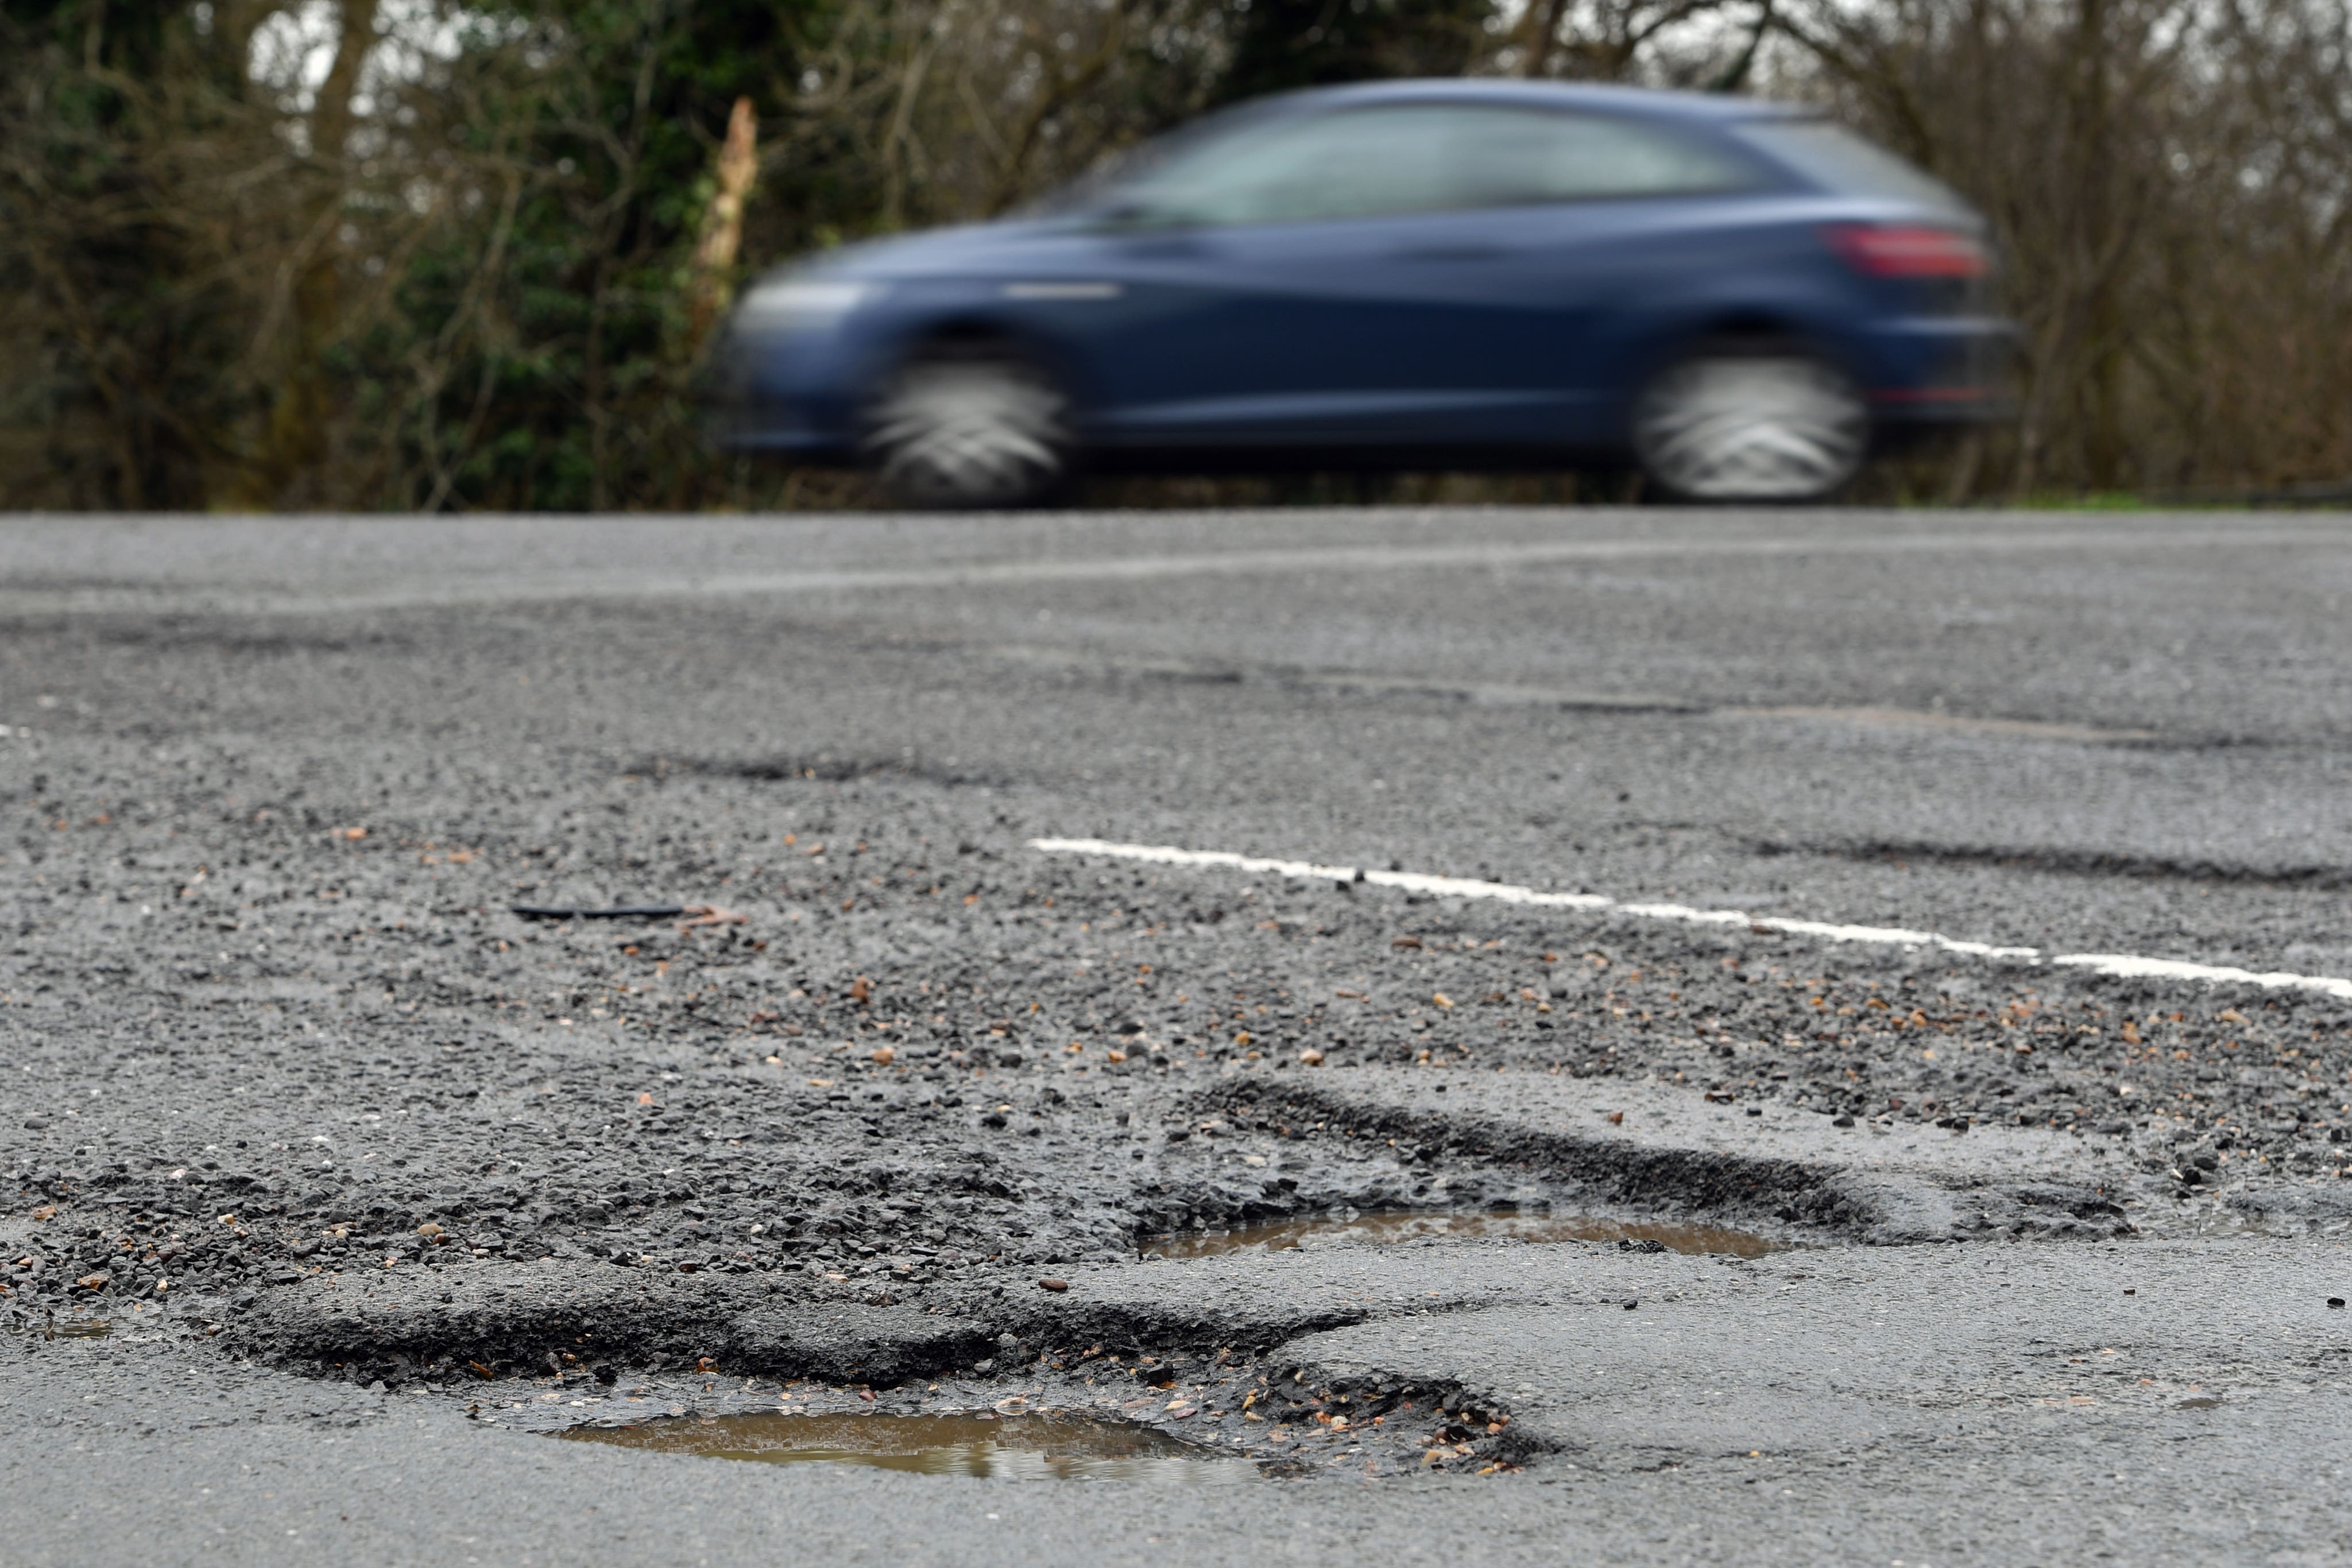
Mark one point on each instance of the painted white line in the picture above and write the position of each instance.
(2122, 964)
(2127, 964)
(502, 584)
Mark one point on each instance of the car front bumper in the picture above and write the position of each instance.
(788, 391)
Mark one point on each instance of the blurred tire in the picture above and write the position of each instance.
(1762, 422)
(968, 429)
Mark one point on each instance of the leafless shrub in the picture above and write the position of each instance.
(414, 254)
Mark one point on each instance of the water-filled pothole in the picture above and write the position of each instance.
(62, 1328)
(1281, 1235)
(1007, 1447)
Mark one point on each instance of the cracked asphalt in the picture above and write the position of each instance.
(375, 1184)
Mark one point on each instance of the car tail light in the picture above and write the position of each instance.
(1891, 251)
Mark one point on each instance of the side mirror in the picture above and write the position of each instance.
(1137, 214)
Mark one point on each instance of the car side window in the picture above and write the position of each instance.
(1423, 158)
(1349, 164)
(1502, 158)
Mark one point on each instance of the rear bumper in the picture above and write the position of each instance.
(1899, 418)
(1933, 371)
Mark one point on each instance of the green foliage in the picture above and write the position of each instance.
(114, 316)
(589, 127)
(470, 273)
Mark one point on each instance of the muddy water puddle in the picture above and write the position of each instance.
(1005, 1448)
(62, 1328)
(1284, 1234)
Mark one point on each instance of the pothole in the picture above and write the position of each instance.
(2223, 1223)
(998, 1447)
(1283, 1235)
(62, 1328)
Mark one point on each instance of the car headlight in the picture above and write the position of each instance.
(802, 302)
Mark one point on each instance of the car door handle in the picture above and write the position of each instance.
(1452, 253)
(1180, 243)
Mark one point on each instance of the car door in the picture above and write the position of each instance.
(1255, 317)
(1400, 273)
(1563, 228)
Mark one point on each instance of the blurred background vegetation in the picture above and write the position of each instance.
(403, 254)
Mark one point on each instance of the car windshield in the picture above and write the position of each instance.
(1838, 159)
(1137, 163)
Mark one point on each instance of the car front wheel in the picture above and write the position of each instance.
(1766, 424)
(971, 429)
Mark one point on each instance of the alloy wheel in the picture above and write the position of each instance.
(969, 433)
(1762, 427)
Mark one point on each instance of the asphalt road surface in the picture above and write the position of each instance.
(1932, 925)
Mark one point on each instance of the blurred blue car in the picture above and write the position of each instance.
(1741, 299)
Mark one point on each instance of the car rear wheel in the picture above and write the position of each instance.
(971, 428)
(1762, 422)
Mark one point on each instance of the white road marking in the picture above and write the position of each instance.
(2121, 964)
(500, 585)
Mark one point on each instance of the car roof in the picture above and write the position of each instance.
(1712, 107)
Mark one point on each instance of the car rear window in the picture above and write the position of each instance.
(1838, 159)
